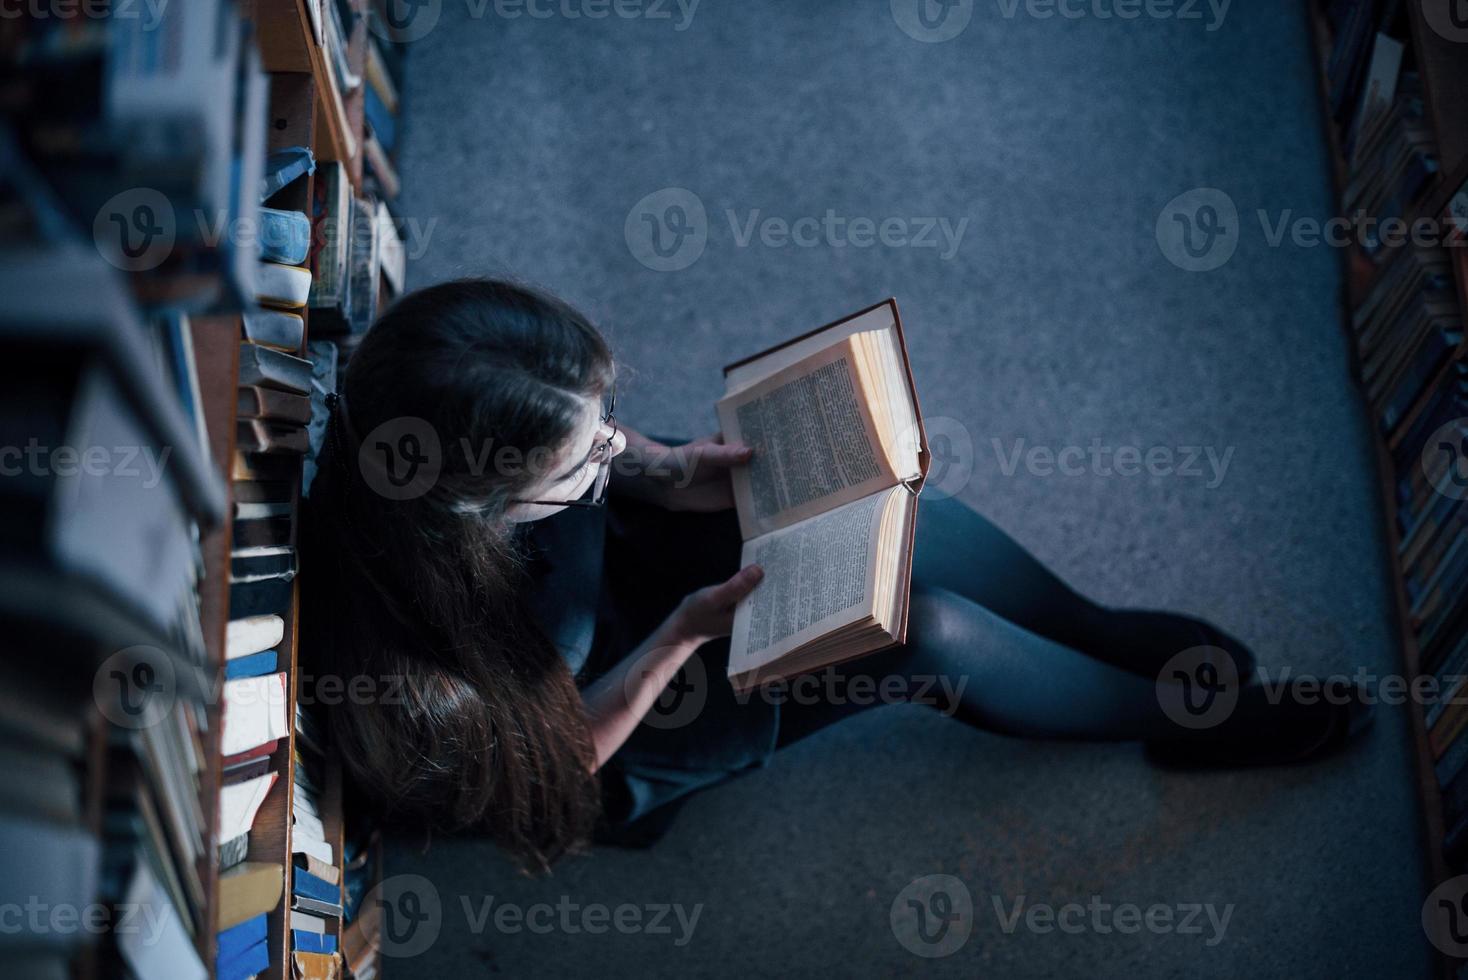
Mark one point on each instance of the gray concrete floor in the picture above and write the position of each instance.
(1058, 320)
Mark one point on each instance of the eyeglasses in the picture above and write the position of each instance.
(601, 456)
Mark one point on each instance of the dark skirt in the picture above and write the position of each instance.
(604, 580)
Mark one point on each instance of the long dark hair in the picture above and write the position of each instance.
(483, 726)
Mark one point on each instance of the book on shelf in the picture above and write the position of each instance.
(266, 367)
(247, 890)
(828, 503)
(283, 167)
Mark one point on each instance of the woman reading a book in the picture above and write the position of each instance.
(543, 622)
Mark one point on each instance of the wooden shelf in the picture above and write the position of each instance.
(1443, 65)
(288, 45)
(1444, 69)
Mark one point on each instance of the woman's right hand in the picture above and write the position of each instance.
(709, 613)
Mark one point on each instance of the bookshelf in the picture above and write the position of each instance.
(119, 805)
(1442, 67)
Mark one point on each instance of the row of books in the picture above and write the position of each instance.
(358, 261)
(1408, 331)
(102, 569)
(381, 101)
(316, 875)
(1377, 102)
(1408, 324)
(256, 694)
(150, 133)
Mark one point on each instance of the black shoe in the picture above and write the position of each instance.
(1301, 727)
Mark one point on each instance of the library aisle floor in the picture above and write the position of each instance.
(1047, 148)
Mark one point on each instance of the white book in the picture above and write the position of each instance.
(240, 802)
(253, 634)
(828, 504)
(254, 713)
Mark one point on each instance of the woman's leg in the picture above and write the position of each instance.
(960, 551)
(995, 674)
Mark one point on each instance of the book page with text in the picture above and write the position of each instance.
(820, 574)
(814, 439)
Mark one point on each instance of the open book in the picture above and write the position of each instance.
(828, 504)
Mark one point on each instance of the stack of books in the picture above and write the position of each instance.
(358, 260)
(274, 407)
(256, 699)
(380, 107)
(102, 570)
(1394, 162)
(151, 132)
(316, 875)
(362, 920)
(1407, 325)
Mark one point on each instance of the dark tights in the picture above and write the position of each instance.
(1035, 658)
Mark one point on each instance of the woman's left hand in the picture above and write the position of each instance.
(690, 477)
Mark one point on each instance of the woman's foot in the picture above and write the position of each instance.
(1297, 722)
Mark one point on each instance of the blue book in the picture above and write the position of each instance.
(254, 665)
(308, 885)
(285, 236)
(384, 125)
(237, 939)
(283, 166)
(248, 962)
(312, 942)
